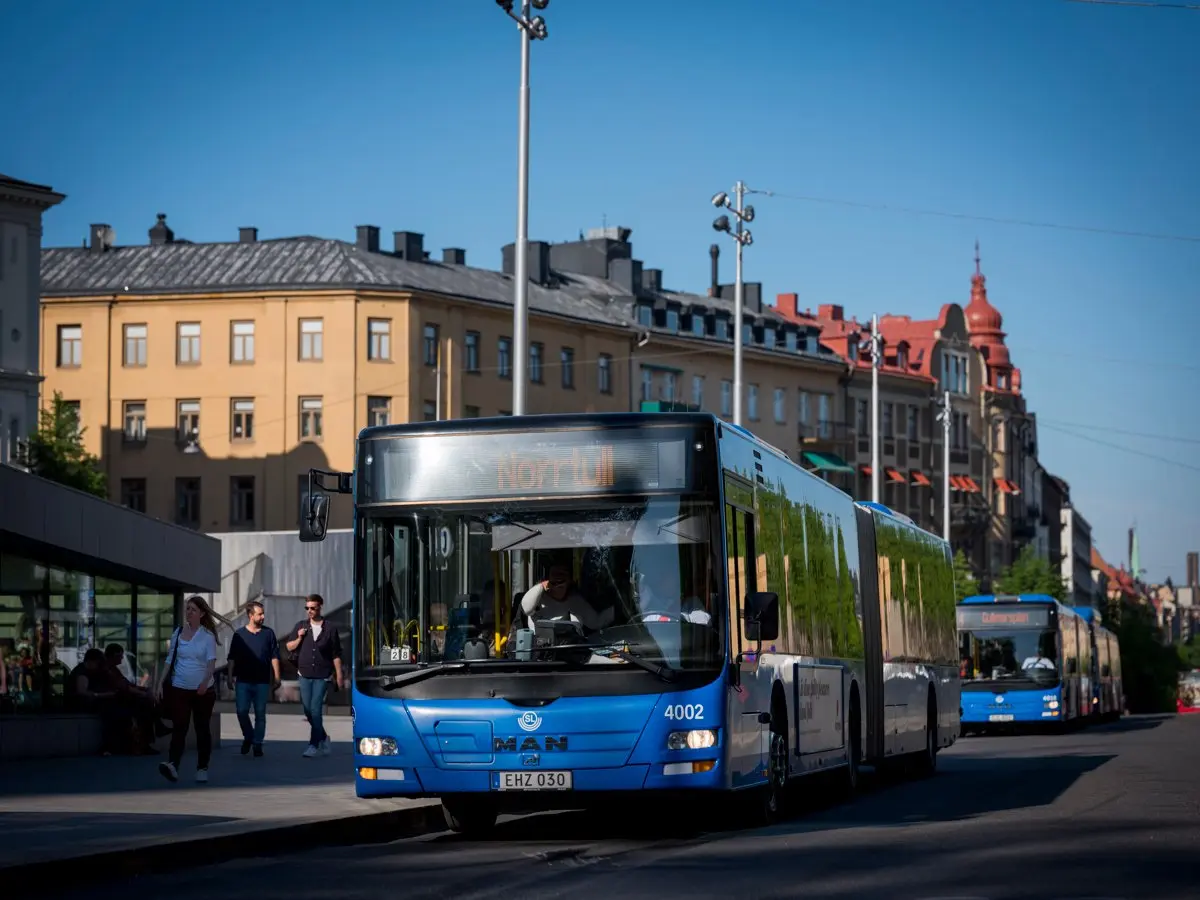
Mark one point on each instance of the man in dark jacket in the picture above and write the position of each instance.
(318, 653)
(254, 668)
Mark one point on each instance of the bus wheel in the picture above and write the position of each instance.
(775, 802)
(468, 816)
(854, 751)
(928, 763)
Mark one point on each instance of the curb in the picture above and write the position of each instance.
(107, 866)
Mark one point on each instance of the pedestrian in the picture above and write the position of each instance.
(317, 650)
(254, 670)
(187, 691)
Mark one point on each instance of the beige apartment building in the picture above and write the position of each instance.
(211, 377)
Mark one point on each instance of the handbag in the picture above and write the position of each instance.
(170, 674)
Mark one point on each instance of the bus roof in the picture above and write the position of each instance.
(1045, 599)
(887, 511)
(544, 422)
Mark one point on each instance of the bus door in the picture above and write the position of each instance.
(748, 732)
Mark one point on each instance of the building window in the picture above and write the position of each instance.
(241, 342)
(568, 368)
(312, 339)
(669, 387)
(647, 385)
(862, 417)
(429, 412)
(698, 325)
(780, 412)
(752, 402)
(133, 494)
(188, 419)
(889, 412)
(241, 426)
(379, 339)
(958, 431)
(134, 428)
(790, 341)
(698, 391)
(672, 320)
(824, 427)
(645, 315)
(802, 408)
(471, 357)
(241, 501)
(504, 357)
(913, 423)
(604, 373)
(379, 411)
(311, 427)
(726, 398)
(536, 355)
(430, 352)
(470, 412)
(135, 345)
(954, 372)
(187, 502)
(70, 346)
(187, 349)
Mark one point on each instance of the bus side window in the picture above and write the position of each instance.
(743, 569)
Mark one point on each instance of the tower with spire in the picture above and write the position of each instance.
(986, 327)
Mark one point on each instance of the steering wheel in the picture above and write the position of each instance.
(676, 616)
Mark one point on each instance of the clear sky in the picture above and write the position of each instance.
(313, 117)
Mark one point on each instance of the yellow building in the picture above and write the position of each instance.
(211, 377)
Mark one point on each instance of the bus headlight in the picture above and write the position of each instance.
(700, 739)
(1051, 704)
(373, 746)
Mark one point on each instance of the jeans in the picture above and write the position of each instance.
(258, 695)
(184, 705)
(312, 698)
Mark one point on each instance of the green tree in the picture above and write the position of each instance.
(1030, 574)
(1149, 668)
(965, 584)
(56, 450)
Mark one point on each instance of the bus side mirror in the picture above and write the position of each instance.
(314, 515)
(762, 616)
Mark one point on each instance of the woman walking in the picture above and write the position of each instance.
(187, 692)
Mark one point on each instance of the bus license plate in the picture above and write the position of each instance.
(536, 781)
(1000, 717)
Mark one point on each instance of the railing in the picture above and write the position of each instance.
(827, 432)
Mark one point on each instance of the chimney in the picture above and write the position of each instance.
(247, 235)
(537, 256)
(714, 289)
(788, 304)
(367, 238)
(409, 245)
(626, 274)
(831, 312)
(752, 295)
(102, 238)
(160, 234)
(454, 256)
(652, 280)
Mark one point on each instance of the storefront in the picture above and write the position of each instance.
(78, 572)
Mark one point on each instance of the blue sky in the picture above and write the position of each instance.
(313, 117)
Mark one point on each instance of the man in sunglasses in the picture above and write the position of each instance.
(317, 651)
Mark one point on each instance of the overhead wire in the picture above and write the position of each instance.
(1110, 430)
(1130, 450)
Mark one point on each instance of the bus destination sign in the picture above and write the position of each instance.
(979, 617)
(430, 468)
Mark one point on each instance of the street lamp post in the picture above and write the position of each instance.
(742, 236)
(945, 416)
(876, 362)
(532, 29)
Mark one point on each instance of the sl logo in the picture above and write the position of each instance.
(530, 721)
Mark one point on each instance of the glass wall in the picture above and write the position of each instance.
(49, 616)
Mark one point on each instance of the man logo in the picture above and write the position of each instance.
(530, 721)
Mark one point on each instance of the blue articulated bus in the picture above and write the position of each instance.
(1108, 693)
(1024, 659)
(555, 611)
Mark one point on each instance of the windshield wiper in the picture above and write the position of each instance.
(393, 682)
(505, 520)
(666, 673)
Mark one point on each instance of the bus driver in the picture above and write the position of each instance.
(556, 598)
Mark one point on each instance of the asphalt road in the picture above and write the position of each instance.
(1110, 812)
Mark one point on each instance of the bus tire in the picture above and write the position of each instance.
(927, 765)
(774, 804)
(854, 750)
(468, 815)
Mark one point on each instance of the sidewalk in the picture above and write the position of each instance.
(119, 816)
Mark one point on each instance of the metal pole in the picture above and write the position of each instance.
(875, 363)
(738, 301)
(437, 374)
(521, 267)
(946, 416)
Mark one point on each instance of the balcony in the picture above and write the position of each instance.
(818, 436)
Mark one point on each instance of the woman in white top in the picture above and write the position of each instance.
(187, 691)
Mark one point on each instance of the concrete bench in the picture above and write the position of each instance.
(64, 734)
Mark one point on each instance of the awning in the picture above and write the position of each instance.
(956, 483)
(866, 470)
(968, 484)
(827, 462)
(920, 478)
(894, 475)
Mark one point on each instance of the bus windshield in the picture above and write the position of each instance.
(612, 578)
(997, 656)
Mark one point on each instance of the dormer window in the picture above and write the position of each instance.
(747, 335)
(902, 356)
(672, 319)
(645, 315)
(790, 341)
(698, 324)
(1002, 380)
(852, 348)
